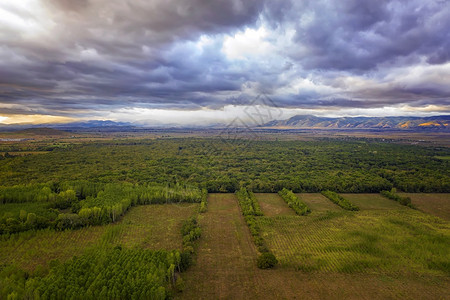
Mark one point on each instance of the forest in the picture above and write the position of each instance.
(353, 165)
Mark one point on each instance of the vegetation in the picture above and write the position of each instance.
(89, 204)
(266, 260)
(120, 218)
(406, 201)
(353, 165)
(369, 241)
(99, 274)
(250, 209)
(204, 202)
(294, 202)
(339, 200)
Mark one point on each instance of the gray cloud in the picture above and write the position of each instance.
(73, 57)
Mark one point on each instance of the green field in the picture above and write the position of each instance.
(382, 238)
(150, 227)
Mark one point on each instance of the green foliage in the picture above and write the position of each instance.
(351, 166)
(266, 261)
(204, 202)
(248, 203)
(294, 202)
(111, 273)
(394, 196)
(339, 200)
(102, 203)
(250, 209)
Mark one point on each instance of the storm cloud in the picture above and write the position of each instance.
(98, 58)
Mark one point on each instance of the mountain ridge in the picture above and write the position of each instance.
(390, 122)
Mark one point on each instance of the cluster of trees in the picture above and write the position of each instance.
(250, 209)
(112, 273)
(294, 202)
(339, 200)
(353, 166)
(190, 232)
(394, 196)
(248, 203)
(80, 204)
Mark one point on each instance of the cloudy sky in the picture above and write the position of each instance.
(202, 61)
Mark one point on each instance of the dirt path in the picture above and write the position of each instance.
(226, 260)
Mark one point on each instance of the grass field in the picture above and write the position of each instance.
(273, 205)
(433, 204)
(146, 226)
(318, 203)
(382, 238)
(151, 226)
(372, 202)
(225, 266)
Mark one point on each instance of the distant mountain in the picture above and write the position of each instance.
(309, 121)
(92, 124)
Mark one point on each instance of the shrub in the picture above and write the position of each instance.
(406, 201)
(294, 202)
(339, 200)
(267, 260)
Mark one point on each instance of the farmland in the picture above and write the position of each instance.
(114, 203)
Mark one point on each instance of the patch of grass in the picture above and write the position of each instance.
(434, 204)
(273, 205)
(381, 241)
(317, 202)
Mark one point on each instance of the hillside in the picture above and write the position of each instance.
(309, 121)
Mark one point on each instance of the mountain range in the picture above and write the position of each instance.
(313, 122)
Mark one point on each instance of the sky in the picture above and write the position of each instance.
(206, 62)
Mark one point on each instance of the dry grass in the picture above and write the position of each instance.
(372, 202)
(152, 226)
(318, 203)
(273, 205)
(433, 204)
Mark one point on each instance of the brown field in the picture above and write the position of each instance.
(317, 202)
(372, 202)
(433, 204)
(273, 205)
(225, 268)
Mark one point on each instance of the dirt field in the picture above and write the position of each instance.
(272, 205)
(433, 204)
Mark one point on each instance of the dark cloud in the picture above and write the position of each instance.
(72, 57)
